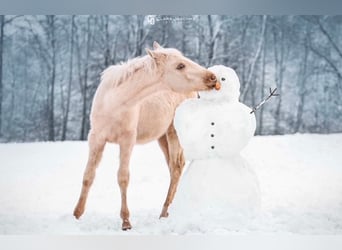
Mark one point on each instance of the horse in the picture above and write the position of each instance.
(135, 103)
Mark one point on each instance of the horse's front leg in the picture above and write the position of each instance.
(176, 164)
(96, 146)
(126, 147)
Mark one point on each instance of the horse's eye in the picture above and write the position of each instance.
(223, 79)
(180, 66)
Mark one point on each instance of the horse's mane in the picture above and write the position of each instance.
(117, 74)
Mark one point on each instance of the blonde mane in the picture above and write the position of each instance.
(118, 74)
(137, 67)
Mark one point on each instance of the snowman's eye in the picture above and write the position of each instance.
(223, 79)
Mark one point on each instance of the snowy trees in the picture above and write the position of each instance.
(3, 21)
(50, 66)
(2, 25)
(66, 103)
(50, 30)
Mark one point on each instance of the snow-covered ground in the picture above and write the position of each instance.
(300, 179)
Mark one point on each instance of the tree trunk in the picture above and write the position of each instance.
(243, 55)
(113, 61)
(139, 36)
(183, 45)
(107, 55)
(51, 119)
(27, 104)
(262, 89)
(255, 59)
(279, 77)
(302, 89)
(199, 48)
(326, 127)
(66, 114)
(165, 33)
(211, 45)
(225, 50)
(13, 97)
(2, 25)
(83, 134)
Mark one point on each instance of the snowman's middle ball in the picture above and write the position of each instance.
(217, 124)
(208, 130)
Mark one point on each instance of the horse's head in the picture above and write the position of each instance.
(179, 73)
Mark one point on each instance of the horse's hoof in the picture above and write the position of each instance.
(78, 213)
(164, 215)
(126, 225)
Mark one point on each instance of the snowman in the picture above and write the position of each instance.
(218, 185)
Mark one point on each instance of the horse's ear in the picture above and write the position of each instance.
(150, 53)
(156, 45)
(156, 55)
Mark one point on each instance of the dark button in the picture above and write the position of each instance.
(212, 147)
(212, 135)
(213, 123)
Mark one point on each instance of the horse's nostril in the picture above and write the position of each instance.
(213, 78)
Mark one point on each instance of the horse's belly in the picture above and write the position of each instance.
(156, 115)
(153, 126)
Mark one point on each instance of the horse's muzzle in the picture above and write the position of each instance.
(210, 80)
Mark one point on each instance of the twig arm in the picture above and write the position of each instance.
(272, 93)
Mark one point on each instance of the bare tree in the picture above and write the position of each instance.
(71, 57)
(84, 82)
(279, 54)
(3, 22)
(46, 48)
(216, 27)
(2, 25)
(51, 31)
(139, 35)
(255, 58)
(246, 23)
(302, 85)
(212, 40)
(263, 74)
(333, 63)
(107, 56)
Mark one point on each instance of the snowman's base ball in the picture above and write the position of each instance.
(220, 189)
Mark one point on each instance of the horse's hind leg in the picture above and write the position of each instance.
(176, 164)
(126, 147)
(164, 147)
(96, 147)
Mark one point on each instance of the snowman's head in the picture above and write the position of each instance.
(230, 85)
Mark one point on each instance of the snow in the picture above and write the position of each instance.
(300, 178)
(224, 190)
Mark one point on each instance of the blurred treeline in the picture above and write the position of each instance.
(50, 66)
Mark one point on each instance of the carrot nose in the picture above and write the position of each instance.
(218, 86)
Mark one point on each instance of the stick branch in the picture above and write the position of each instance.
(272, 93)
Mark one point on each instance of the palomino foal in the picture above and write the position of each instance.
(135, 103)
